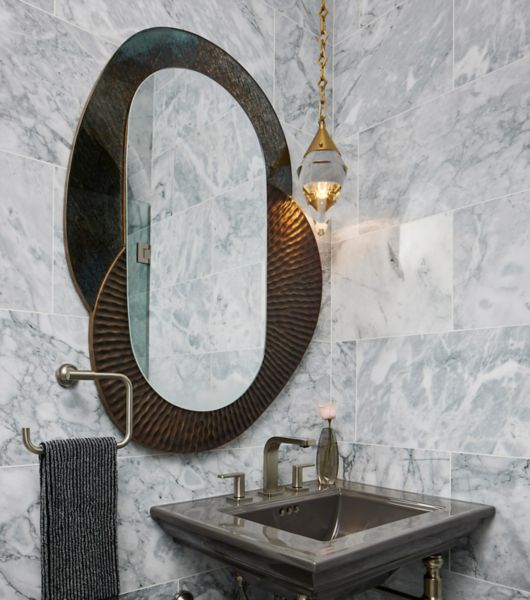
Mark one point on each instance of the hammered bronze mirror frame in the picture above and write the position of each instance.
(96, 247)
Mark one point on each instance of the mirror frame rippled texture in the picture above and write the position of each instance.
(95, 242)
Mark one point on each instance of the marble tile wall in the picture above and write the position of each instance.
(429, 266)
(50, 56)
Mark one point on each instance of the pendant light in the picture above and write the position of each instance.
(322, 171)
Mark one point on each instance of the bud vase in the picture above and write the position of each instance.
(327, 456)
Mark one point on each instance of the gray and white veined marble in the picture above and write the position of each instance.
(181, 247)
(66, 300)
(239, 226)
(187, 103)
(31, 348)
(492, 274)
(395, 281)
(346, 19)
(296, 76)
(216, 20)
(47, 5)
(421, 471)
(489, 36)
(466, 147)
(458, 587)
(26, 212)
(38, 109)
(370, 10)
(464, 391)
(407, 53)
(498, 550)
(323, 329)
(305, 13)
(343, 387)
(162, 591)
(238, 309)
(162, 186)
(232, 373)
(295, 410)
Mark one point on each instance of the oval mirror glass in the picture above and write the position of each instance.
(196, 223)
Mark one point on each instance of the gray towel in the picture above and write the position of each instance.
(78, 519)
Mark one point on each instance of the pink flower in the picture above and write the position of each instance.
(328, 411)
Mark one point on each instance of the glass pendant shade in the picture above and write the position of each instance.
(322, 174)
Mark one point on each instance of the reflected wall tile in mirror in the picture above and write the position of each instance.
(394, 281)
(237, 318)
(408, 52)
(422, 391)
(457, 150)
(186, 104)
(179, 317)
(420, 471)
(179, 248)
(498, 550)
(162, 185)
(233, 372)
(37, 47)
(239, 223)
(492, 275)
(26, 213)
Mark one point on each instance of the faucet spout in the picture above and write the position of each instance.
(270, 460)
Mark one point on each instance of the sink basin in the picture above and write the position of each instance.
(321, 543)
(334, 515)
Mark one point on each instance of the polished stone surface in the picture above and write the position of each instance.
(343, 387)
(394, 281)
(486, 40)
(407, 52)
(463, 148)
(497, 552)
(492, 278)
(419, 471)
(424, 391)
(26, 213)
(370, 10)
(346, 19)
(38, 110)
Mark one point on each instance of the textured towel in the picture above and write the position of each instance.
(78, 519)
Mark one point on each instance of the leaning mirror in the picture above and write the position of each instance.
(196, 218)
(200, 273)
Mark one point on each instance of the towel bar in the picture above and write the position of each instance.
(68, 376)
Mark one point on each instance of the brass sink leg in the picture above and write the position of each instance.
(432, 589)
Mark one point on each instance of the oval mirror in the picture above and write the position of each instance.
(196, 217)
(200, 272)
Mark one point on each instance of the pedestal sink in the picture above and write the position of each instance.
(322, 543)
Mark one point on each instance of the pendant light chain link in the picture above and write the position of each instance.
(323, 61)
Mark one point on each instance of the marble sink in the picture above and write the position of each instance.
(322, 543)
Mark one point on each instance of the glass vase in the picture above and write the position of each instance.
(327, 456)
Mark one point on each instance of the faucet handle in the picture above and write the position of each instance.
(239, 486)
(298, 476)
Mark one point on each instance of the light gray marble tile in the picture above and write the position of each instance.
(458, 587)
(162, 176)
(343, 377)
(370, 10)
(426, 391)
(323, 329)
(31, 348)
(38, 109)
(346, 19)
(420, 471)
(164, 591)
(345, 214)
(394, 281)
(239, 226)
(296, 75)
(26, 211)
(214, 585)
(238, 309)
(468, 146)
(216, 20)
(492, 275)
(407, 53)
(498, 550)
(295, 411)
(66, 300)
(181, 247)
(304, 12)
(46, 5)
(489, 35)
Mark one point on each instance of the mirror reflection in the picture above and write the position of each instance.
(196, 240)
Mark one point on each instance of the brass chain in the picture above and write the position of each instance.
(323, 61)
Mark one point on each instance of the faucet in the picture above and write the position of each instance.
(270, 461)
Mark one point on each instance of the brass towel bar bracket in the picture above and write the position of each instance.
(68, 376)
